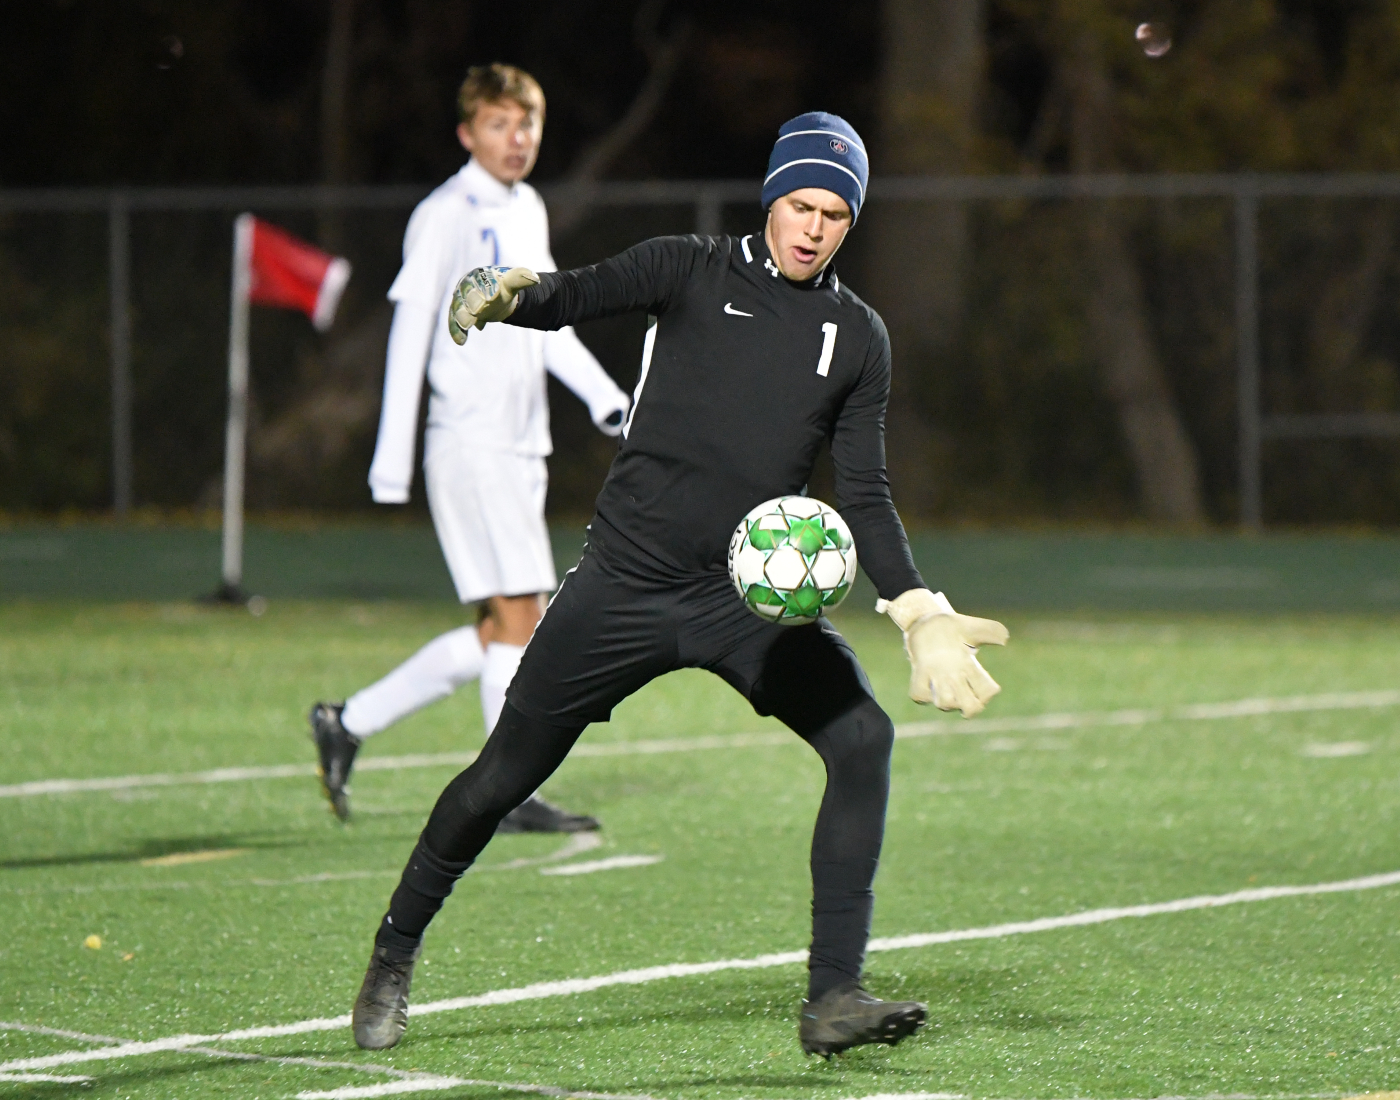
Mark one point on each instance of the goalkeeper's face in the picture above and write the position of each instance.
(504, 137)
(805, 228)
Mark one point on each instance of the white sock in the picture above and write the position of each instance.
(496, 673)
(434, 672)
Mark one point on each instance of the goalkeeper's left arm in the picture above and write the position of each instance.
(940, 643)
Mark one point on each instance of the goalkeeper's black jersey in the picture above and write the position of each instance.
(744, 375)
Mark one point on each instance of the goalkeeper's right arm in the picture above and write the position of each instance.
(485, 294)
(645, 278)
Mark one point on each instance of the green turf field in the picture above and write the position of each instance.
(240, 904)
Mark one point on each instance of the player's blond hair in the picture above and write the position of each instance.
(495, 83)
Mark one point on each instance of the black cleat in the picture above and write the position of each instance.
(848, 1016)
(337, 747)
(380, 1016)
(535, 815)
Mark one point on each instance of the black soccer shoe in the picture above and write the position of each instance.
(848, 1016)
(535, 815)
(337, 747)
(380, 1016)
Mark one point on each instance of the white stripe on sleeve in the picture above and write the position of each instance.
(647, 345)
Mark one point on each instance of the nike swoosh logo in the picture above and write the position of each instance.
(729, 309)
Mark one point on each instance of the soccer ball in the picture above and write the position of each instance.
(791, 558)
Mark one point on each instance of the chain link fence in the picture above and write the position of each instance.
(1271, 303)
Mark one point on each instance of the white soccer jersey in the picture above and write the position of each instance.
(490, 393)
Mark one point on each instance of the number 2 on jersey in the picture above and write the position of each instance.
(828, 346)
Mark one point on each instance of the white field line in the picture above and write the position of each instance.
(430, 1083)
(35, 1029)
(425, 1082)
(540, 990)
(66, 1078)
(240, 1056)
(385, 1090)
(422, 1083)
(913, 1096)
(1101, 916)
(406, 1080)
(577, 844)
(1197, 712)
(435, 1084)
(1259, 1096)
(69, 1079)
(314, 1063)
(609, 864)
(1336, 748)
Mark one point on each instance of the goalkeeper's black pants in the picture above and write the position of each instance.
(613, 627)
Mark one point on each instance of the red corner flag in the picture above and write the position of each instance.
(287, 272)
(270, 268)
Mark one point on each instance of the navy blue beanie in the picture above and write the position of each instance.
(818, 150)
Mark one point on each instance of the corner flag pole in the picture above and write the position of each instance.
(237, 431)
(270, 268)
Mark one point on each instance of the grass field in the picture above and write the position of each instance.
(241, 904)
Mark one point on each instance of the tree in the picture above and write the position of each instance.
(1162, 451)
(335, 128)
(930, 88)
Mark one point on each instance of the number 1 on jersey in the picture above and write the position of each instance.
(828, 346)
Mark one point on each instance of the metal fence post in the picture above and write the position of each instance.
(119, 289)
(1247, 351)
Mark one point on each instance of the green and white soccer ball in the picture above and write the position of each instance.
(792, 558)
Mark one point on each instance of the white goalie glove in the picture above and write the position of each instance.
(942, 648)
(485, 294)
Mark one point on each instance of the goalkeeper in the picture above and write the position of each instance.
(755, 354)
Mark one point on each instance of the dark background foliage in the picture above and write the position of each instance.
(1054, 360)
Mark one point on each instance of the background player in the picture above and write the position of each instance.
(755, 356)
(487, 433)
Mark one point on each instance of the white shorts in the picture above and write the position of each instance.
(488, 508)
